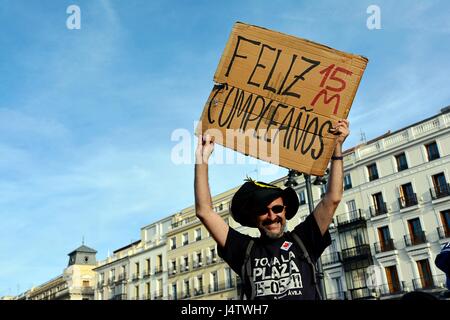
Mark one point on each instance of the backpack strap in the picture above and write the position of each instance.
(308, 259)
(246, 271)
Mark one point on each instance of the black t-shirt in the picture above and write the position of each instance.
(279, 269)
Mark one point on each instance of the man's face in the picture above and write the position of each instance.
(272, 224)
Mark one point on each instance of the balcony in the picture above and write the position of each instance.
(376, 211)
(352, 219)
(440, 191)
(426, 282)
(408, 201)
(384, 246)
(184, 269)
(121, 296)
(216, 287)
(359, 253)
(135, 277)
(172, 271)
(158, 295)
(146, 296)
(336, 296)
(211, 260)
(443, 232)
(332, 258)
(158, 270)
(393, 288)
(184, 222)
(362, 293)
(122, 277)
(199, 292)
(186, 294)
(146, 274)
(415, 239)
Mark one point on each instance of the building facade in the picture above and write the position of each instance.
(136, 271)
(195, 269)
(394, 216)
(76, 282)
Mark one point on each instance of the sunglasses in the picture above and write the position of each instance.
(275, 209)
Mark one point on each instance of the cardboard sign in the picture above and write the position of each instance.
(278, 96)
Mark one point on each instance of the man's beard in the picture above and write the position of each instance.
(270, 234)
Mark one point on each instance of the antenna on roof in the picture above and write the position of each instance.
(363, 137)
(82, 240)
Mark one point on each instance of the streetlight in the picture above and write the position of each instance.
(291, 182)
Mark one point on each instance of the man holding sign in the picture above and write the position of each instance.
(290, 96)
(279, 264)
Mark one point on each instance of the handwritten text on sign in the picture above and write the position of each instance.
(286, 90)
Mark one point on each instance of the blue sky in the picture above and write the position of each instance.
(86, 116)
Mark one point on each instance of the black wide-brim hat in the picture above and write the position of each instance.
(253, 197)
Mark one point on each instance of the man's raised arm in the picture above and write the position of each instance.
(326, 208)
(216, 226)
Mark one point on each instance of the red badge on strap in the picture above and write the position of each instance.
(286, 245)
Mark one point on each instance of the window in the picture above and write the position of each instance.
(228, 278)
(174, 291)
(159, 266)
(386, 243)
(212, 254)
(173, 243)
(159, 287)
(174, 266)
(432, 151)
(147, 291)
(301, 196)
(200, 284)
(351, 209)
(347, 181)
(86, 283)
(401, 162)
(185, 238)
(147, 266)
(199, 259)
(214, 280)
(426, 279)
(198, 234)
(187, 290)
(440, 186)
(445, 218)
(137, 268)
(379, 206)
(373, 172)
(416, 234)
(136, 292)
(186, 262)
(392, 279)
(113, 274)
(407, 196)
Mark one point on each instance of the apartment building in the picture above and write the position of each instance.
(136, 271)
(75, 283)
(394, 216)
(195, 269)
